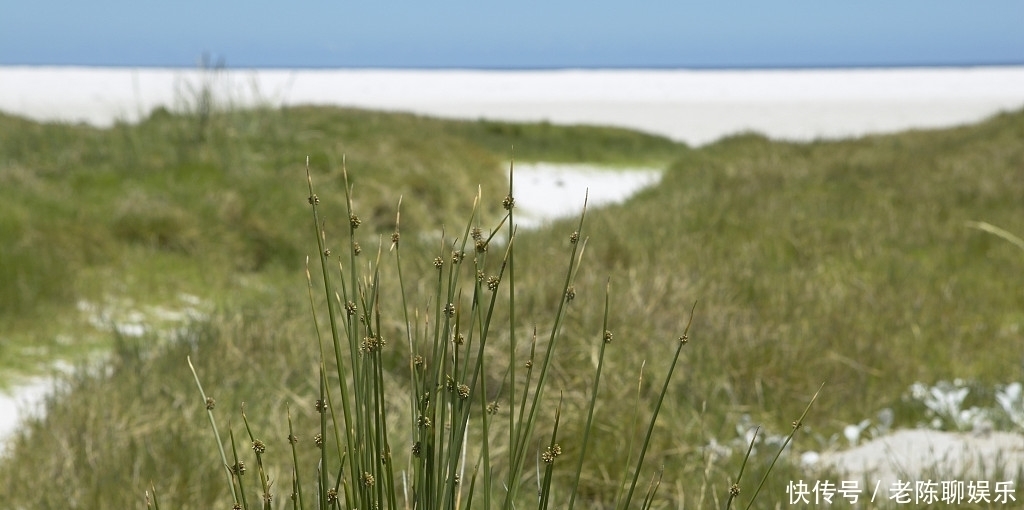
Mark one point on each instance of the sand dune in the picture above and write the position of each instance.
(696, 107)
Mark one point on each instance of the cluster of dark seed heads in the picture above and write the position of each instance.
(476, 234)
(318, 440)
(373, 344)
(394, 238)
(438, 262)
(350, 308)
(463, 391)
(457, 256)
(492, 283)
(320, 406)
(313, 199)
(356, 248)
(574, 237)
(607, 337)
(734, 490)
(570, 293)
(332, 495)
(493, 407)
(418, 361)
(423, 421)
(481, 246)
(258, 446)
(685, 338)
(293, 439)
(417, 449)
(210, 402)
(354, 221)
(238, 469)
(550, 453)
(368, 480)
(449, 310)
(508, 203)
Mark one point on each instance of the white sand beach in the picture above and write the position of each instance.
(693, 106)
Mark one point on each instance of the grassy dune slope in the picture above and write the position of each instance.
(849, 263)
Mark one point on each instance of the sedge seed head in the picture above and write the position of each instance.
(550, 453)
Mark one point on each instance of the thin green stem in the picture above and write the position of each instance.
(209, 403)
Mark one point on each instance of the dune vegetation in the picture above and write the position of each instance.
(854, 266)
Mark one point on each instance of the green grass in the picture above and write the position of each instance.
(852, 263)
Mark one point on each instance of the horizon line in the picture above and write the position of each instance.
(200, 66)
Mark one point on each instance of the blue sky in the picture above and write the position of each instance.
(513, 34)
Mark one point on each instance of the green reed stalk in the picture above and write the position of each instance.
(606, 338)
(524, 430)
(657, 407)
(296, 482)
(209, 403)
(796, 426)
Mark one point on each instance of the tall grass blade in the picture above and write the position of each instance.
(657, 407)
(209, 403)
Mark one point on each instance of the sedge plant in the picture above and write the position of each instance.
(476, 415)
